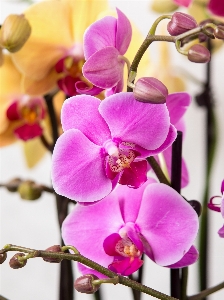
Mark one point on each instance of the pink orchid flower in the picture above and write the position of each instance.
(115, 232)
(30, 111)
(218, 208)
(177, 104)
(215, 6)
(105, 43)
(105, 142)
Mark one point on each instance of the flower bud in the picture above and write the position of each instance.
(29, 190)
(196, 206)
(181, 23)
(15, 263)
(15, 32)
(163, 6)
(209, 31)
(84, 284)
(150, 90)
(219, 32)
(56, 249)
(199, 54)
(12, 185)
(3, 257)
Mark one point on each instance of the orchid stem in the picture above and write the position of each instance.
(91, 264)
(66, 289)
(175, 282)
(207, 292)
(158, 171)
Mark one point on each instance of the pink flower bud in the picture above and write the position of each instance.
(15, 263)
(12, 185)
(199, 54)
(84, 284)
(150, 90)
(3, 257)
(181, 23)
(56, 249)
(219, 32)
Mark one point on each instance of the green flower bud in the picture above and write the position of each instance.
(29, 190)
(15, 32)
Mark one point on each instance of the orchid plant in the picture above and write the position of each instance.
(116, 143)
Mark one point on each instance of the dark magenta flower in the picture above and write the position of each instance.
(115, 232)
(30, 111)
(177, 104)
(105, 43)
(218, 207)
(106, 142)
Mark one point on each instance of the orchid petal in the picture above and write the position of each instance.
(99, 72)
(110, 243)
(166, 219)
(12, 111)
(83, 88)
(27, 132)
(135, 176)
(99, 35)
(48, 37)
(124, 32)
(167, 143)
(222, 187)
(126, 266)
(177, 104)
(81, 112)
(216, 7)
(134, 121)
(222, 207)
(83, 230)
(77, 168)
(221, 232)
(189, 258)
(185, 3)
(85, 271)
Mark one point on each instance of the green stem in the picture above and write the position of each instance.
(206, 292)
(158, 171)
(184, 284)
(93, 265)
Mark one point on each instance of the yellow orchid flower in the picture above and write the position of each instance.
(22, 116)
(53, 53)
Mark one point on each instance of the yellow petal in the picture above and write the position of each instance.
(83, 14)
(50, 38)
(7, 137)
(40, 87)
(33, 152)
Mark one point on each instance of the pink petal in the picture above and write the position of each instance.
(221, 232)
(12, 111)
(167, 143)
(126, 266)
(167, 222)
(185, 3)
(177, 105)
(189, 258)
(134, 121)
(101, 73)
(99, 35)
(85, 271)
(216, 7)
(130, 200)
(83, 88)
(135, 176)
(222, 187)
(110, 243)
(124, 32)
(81, 112)
(222, 207)
(86, 228)
(77, 168)
(27, 132)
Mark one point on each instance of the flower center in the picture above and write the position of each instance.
(125, 247)
(31, 110)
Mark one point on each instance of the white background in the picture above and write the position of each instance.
(34, 224)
